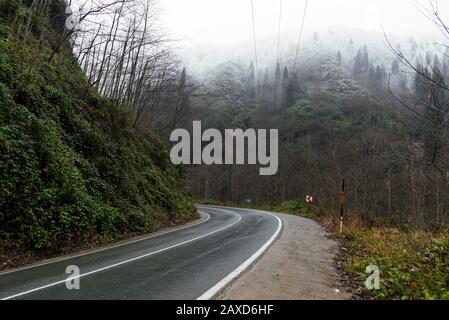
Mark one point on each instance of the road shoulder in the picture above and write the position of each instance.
(299, 265)
(85, 251)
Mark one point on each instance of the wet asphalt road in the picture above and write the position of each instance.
(182, 264)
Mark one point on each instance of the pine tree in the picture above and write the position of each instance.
(421, 83)
(372, 76)
(437, 66)
(428, 57)
(285, 84)
(361, 63)
(267, 89)
(413, 46)
(365, 59)
(438, 78)
(278, 71)
(403, 87)
(357, 69)
(293, 91)
(358, 63)
(339, 58)
(446, 59)
(251, 82)
(395, 67)
(277, 82)
(182, 100)
(384, 73)
(379, 77)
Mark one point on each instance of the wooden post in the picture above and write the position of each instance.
(342, 204)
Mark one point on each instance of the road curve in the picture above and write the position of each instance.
(188, 263)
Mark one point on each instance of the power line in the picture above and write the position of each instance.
(255, 50)
(279, 31)
(300, 35)
(276, 76)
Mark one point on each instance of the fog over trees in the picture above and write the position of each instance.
(94, 95)
(372, 110)
(365, 106)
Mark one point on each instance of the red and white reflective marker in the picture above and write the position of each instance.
(309, 199)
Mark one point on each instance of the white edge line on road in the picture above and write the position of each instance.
(212, 292)
(124, 262)
(193, 224)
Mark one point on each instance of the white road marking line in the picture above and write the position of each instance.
(126, 261)
(209, 294)
(107, 248)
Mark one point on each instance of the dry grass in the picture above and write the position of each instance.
(413, 264)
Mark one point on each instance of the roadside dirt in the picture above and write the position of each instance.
(299, 265)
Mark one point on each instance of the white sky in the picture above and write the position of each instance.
(228, 22)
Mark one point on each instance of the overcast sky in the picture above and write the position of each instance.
(224, 22)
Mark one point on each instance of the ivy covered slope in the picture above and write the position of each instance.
(73, 170)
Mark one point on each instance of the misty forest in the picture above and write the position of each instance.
(88, 100)
(366, 108)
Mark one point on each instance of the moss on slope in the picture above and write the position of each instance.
(73, 171)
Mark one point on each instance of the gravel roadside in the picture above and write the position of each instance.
(298, 266)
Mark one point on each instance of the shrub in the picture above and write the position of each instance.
(74, 171)
(298, 207)
(413, 265)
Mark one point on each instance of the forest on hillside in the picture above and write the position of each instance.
(91, 91)
(376, 117)
(80, 162)
(89, 99)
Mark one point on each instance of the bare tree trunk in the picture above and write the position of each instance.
(389, 193)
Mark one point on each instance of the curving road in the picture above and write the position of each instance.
(194, 262)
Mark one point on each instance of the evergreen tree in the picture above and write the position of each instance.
(372, 76)
(251, 82)
(421, 83)
(446, 60)
(395, 67)
(384, 73)
(339, 58)
(278, 71)
(403, 87)
(413, 46)
(293, 91)
(428, 57)
(285, 84)
(361, 63)
(350, 47)
(182, 100)
(357, 69)
(439, 94)
(379, 77)
(267, 89)
(365, 59)
(278, 85)
(437, 66)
